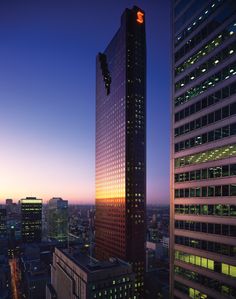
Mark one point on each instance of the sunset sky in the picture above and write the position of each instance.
(47, 95)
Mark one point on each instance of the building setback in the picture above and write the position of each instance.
(121, 145)
(74, 275)
(203, 150)
(31, 219)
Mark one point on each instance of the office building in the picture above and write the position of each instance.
(9, 202)
(3, 222)
(34, 265)
(203, 150)
(31, 219)
(57, 219)
(5, 278)
(74, 275)
(121, 145)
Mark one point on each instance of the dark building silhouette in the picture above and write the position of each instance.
(3, 223)
(31, 219)
(203, 150)
(121, 145)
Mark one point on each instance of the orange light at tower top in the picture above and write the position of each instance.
(140, 16)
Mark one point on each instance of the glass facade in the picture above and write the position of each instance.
(203, 150)
(31, 219)
(57, 219)
(121, 145)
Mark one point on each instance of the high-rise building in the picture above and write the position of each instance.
(3, 222)
(9, 201)
(57, 219)
(203, 150)
(31, 219)
(74, 275)
(121, 145)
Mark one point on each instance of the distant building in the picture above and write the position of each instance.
(31, 219)
(9, 201)
(5, 278)
(35, 273)
(3, 223)
(120, 221)
(57, 219)
(74, 275)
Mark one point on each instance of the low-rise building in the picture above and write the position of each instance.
(74, 275)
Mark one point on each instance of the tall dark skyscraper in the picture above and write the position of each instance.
(31, 219)
(3, 222)
(121, 145)
(203, 150)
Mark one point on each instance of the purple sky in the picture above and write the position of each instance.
(47, 95)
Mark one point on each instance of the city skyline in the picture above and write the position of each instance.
(47, 126)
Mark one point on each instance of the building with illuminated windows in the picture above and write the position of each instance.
(203, 150)
(57, 219)
(121, 145)
(31, 219)
(74, 275)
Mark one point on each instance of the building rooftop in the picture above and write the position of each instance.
(90, 264)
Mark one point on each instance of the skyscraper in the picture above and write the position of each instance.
(57, 219)
(203, 150)
(31, 219)
(121, 145)
(3, 222)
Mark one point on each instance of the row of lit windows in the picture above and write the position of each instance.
(194, 260)
(107, 283)
(206, 191)
(226, 73)
(207, 30)
(207, 66)
(214, 43)
(198, 21)
(208, 210)
(217, 134)
(210, 100)
(206, 263)
(215, 247)
(206, 173)
(117, 293)
(210, 155)
(208, 282)
(190, 292)
(207, 119)
(209, 228)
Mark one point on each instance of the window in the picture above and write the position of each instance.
(233, 169)
(233, 129)
(225, 112)
(225, 170)
(210, 191)
(233, 109)
(233, 190)
(225, 190)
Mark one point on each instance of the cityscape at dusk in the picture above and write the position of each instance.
(47, 91)
(118, 153)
